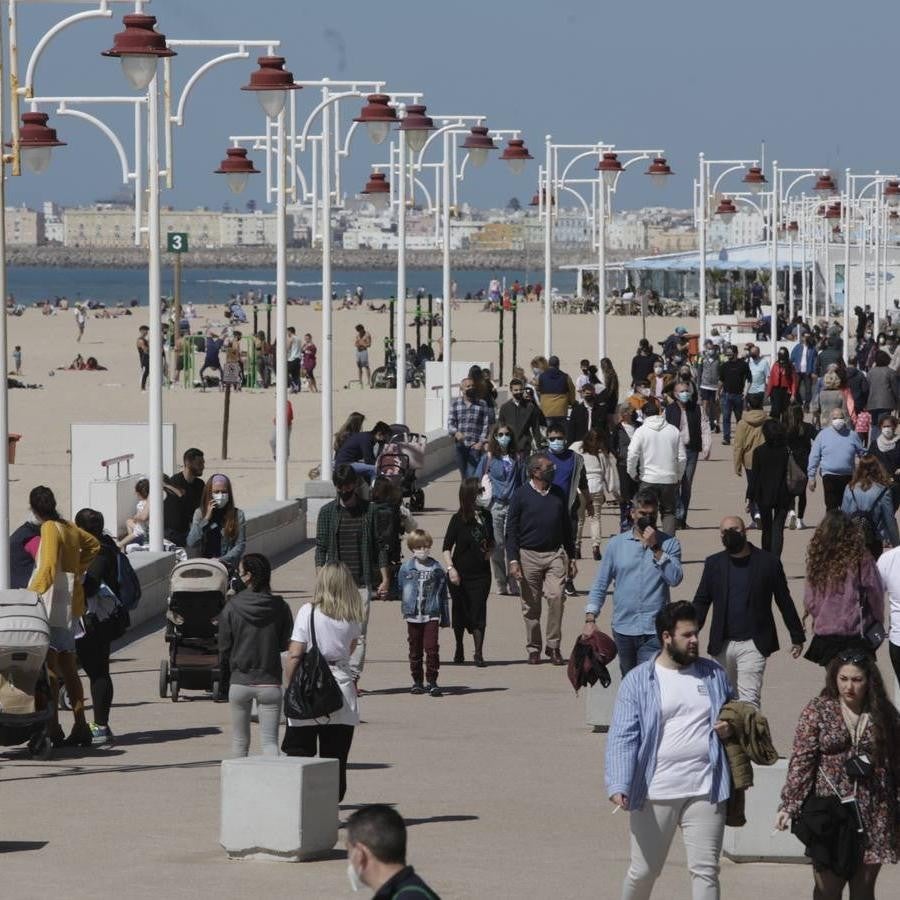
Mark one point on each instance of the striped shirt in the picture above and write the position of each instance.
(472, 419)
(634, 733)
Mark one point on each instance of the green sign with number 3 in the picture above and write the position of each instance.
(177, 242)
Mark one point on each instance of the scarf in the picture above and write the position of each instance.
(884, 445)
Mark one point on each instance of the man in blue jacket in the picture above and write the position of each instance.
(834, 452)
(665, 761)
(803, 358)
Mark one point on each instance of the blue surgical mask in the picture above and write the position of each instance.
(557, 445)
(684, 396)
(503, 440)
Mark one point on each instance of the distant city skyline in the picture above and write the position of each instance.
(686, 78)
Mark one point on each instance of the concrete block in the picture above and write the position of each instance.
(153, 571)
(598, 701)
(755, 842)
(275, 527)
(317, 494)
(283, 809)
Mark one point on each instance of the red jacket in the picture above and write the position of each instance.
(778, 377)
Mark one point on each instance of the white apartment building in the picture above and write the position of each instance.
(746, 227)
(24, 227)
(54, 229)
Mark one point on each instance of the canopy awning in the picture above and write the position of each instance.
(745, 257)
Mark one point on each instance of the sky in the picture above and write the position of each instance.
(812, 80)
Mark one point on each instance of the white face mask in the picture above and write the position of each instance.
(658, 370)
(34, 520)
(220, 498)
(888, 433)
(356, 883)
(838, 424)
(421, 554)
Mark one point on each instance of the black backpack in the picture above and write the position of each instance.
(313, 692)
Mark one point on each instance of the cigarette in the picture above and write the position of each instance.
(774, 832)
(615, 809)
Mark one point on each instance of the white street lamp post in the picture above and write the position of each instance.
(548, 201)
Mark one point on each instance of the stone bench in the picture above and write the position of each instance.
(279, 808)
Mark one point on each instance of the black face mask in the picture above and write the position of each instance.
(734, 541)
(471, 394)
(645, 522)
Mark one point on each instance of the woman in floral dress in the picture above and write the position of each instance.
(852, 717)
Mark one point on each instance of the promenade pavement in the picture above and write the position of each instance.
(500, 780)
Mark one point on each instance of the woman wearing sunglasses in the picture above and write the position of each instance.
(840, 796)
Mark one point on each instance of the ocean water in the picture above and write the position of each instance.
(110, 286)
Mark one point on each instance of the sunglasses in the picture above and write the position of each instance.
(854, 656)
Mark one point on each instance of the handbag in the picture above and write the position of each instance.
(875, 635)
(795, 479)
(313, 692)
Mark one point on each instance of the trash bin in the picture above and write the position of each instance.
(13, 440)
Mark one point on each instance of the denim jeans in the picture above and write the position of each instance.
(687, 481)
(467, 459)
(498, 555)
(731, 403)
(635, 649)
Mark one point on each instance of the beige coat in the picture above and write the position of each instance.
(747, 437)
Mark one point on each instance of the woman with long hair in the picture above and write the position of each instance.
(62, 557)
(868, 498)
(783, 383)
(886, 449)
(254, 630)
(609, 396)
(843, 595)
(353, 425)
(769, 487)
(800, 435)
(505, 473)
(602, 478)
(336, 613)
(846, 746)
(218, 530)
(468, 545)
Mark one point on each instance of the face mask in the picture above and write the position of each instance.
(34, 520)
(838, 424)
(658, 370)
(220, 498)
(545, 476)
(503, 440)
(733, 541)
(684, 396)
(557, 445)
(347, 496)
(888, 433)
(868, 336)
(645, 522)
(645, 392)
(518, 397)
(471, 394)
(535, 372)
(421, 554)
(881, 342)
(754, 356)
(356, 883)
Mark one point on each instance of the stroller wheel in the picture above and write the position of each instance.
(163, 678)
(62, 698)
(175, 690)
(40, 747)
(417, 500)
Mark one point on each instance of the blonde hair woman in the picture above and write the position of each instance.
(336, 613)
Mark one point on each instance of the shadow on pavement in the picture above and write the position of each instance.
(20, 846)
(69, 771)
(435, 820)
(364, 766)
(165, 736)
(460, 690)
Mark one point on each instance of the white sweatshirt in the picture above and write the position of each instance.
(656, 454)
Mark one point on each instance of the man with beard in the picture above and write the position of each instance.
(663, 763)
(740, 583)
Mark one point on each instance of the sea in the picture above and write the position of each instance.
(29, 284)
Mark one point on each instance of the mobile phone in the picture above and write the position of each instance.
(852, 807)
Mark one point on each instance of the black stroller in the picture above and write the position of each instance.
(197, 593)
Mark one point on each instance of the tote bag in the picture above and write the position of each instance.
(57, 599)
(313, 692)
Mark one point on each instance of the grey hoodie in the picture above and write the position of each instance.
(254, 628)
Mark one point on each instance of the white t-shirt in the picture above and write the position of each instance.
(683, 768)
(889, 570)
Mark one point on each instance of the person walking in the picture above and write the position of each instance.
(740, 583)
(843, 594)
(254, 630)
(347, 532)
(143, 349)
(657, 461)
(308, 352)
(557, 393)
(335, 620)
(800, 436)
(692, 423)
(844, 760)
(219, 528)
(602, 480)
(884, 391)
(644, 564)
(540, 550)
(782, 384)
(523, 419)
(643, 362)
(747, 437)
(570, 477)
(803, 359)
(886, 449)
(769, 490)
(889, 569)
(759, 372)
(468, 424)
(831, 397)
(589, 413)
(665, 758)
(734, 374)
(505, 474)
(468, 546)
(709, 377)
(623, 430)
(362, 341)
(868, 499)
(834, 452)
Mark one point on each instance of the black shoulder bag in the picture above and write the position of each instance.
(313, 692)
(875, 634)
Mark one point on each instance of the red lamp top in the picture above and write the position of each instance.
(833, 212)
(891, 190)
(609, 164)
(479, 139)
(236, 163)
(726, 207)
(659, 166)
(140, 38)
(416, 119)
(825, 184)
(793, 227)
(377, 184)
(754, 176)
(515, 149)
(377, 109)
(271, 76)
(35, 132)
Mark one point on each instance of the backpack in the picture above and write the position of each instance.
(865, 521)
(129, 584)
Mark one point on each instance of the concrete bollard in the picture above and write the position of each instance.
(755, 842)
(599, 701)
(279, 808)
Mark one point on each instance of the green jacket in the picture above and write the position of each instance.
(375, 556)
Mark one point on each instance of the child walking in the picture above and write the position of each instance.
(423, 596)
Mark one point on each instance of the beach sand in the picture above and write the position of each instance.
(43, 416)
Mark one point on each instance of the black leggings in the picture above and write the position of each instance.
(145, 369)
(333, 743)
(801, 504)
(93, 657)
(894, 650)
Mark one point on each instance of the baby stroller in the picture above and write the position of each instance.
(24, 641)
(197, 592)
(401, 457)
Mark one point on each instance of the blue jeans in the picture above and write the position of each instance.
(366, 470)
(635, 649)
(731, 402)
(684, 489)
(467, 459)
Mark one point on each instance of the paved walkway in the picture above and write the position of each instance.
(500, 780)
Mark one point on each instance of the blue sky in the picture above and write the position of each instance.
(811, 79)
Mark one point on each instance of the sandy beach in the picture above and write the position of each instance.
(43, 416)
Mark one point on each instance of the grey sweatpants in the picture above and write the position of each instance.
(268, 701)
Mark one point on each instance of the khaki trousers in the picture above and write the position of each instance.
(543, 575)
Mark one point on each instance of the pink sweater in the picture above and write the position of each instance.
(835, 611)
